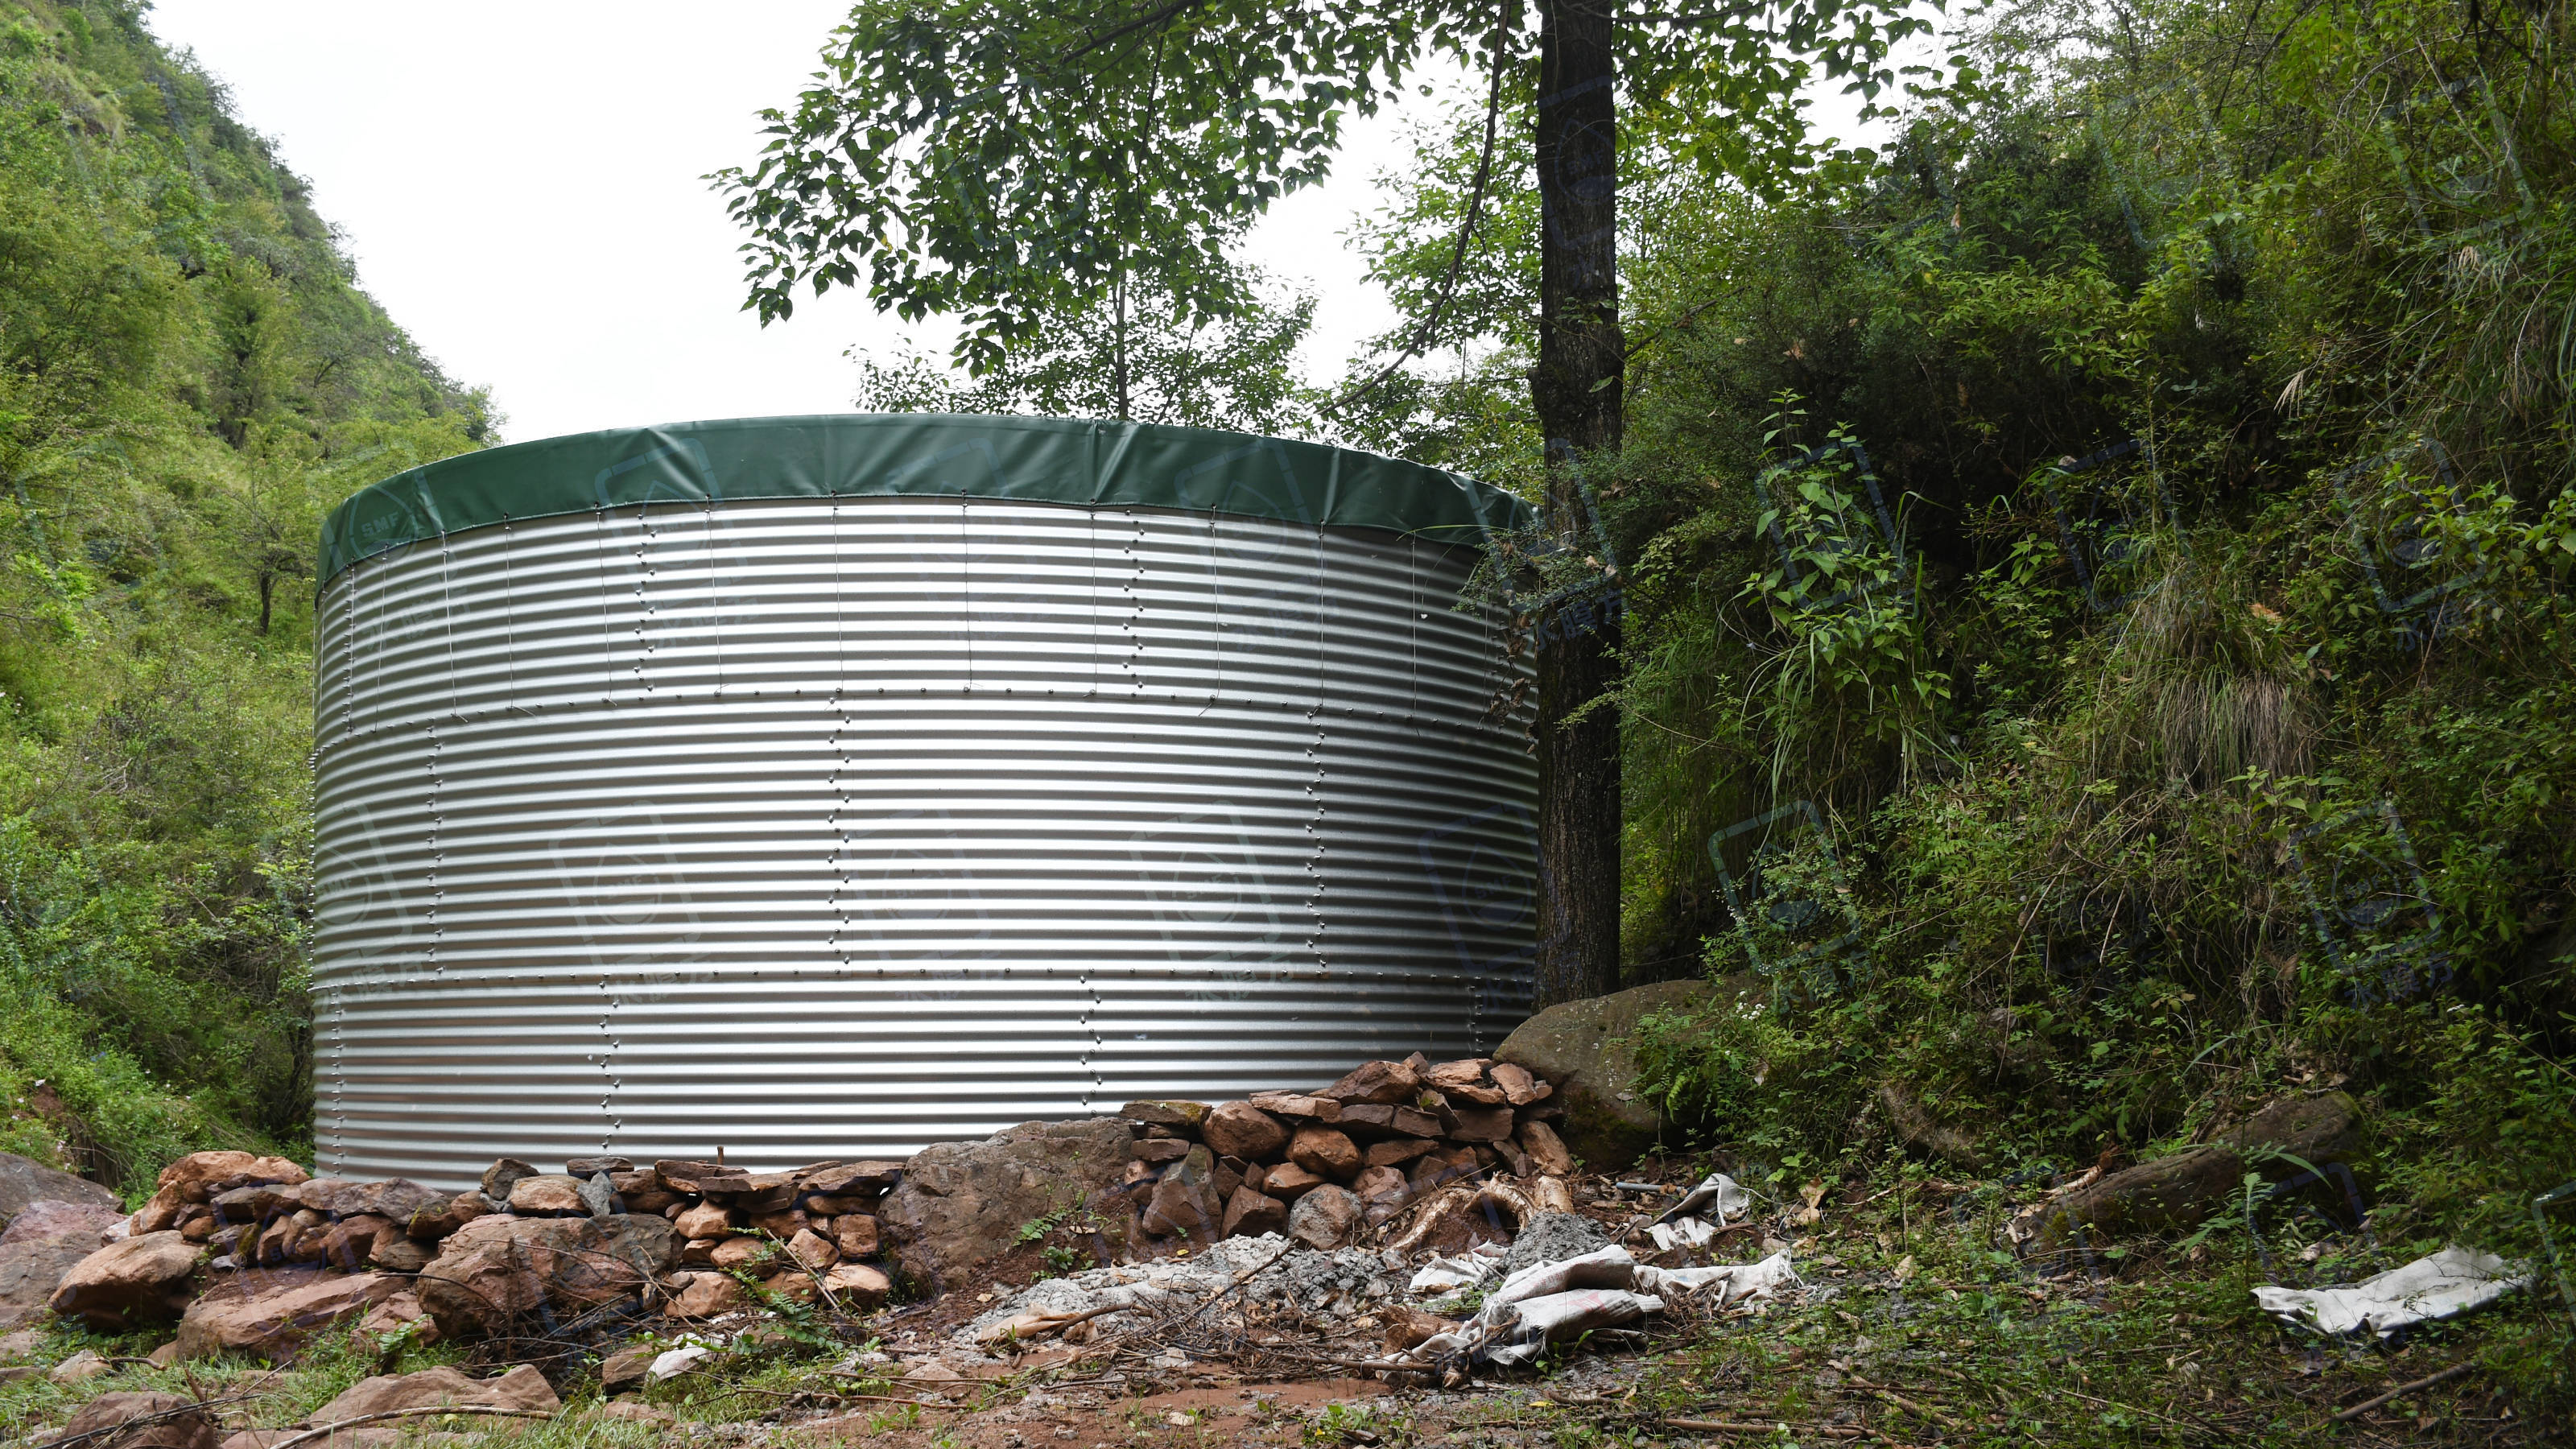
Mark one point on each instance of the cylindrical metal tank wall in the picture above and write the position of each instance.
(830, 826)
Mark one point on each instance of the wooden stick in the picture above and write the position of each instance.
(2401, 1391)
(325, 1431)
(1724, 1426)
(1911, 1407)
(884, 1399)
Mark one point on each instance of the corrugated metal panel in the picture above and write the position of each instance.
(816, 829)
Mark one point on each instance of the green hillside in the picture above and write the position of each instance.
(189, 376)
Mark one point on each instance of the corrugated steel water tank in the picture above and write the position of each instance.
(826, 787)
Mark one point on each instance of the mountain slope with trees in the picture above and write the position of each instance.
(189, 377)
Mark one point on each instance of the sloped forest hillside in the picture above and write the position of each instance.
(2096, 588)
(189, 377)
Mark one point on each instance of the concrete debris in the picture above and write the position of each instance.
(1299, 1281)
(1553, 1237)
(2445, 1284)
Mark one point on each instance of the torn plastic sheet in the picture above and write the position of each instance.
(1605, 1288)
(1683, 1233)
(1466, 1270)
(1734, 1282)
(1717, 1195)
(2449, 1282)
(1601, 1268)
(1532, 1324)
(691, 1355)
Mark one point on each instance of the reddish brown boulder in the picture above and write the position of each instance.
(1547, 1151)
(1381, 1119)
(24, 1182)
(151, 1421)
(1382, 1192)
(962, 1203)
(1447, 1164)
(269, 1313)
(400, 1313)
(1483, 1124)
(44, 1240)
(350, 1242)
(495, 1270)
(200, 1175)
(812, 1250)
(548, 1194)
(1395, 1151)
(504, 1174)
(295, 1238)
(765, 1192)
(684, 1177)
(841, 1179)
(1464, 1084)
(522, 1389)
(1249, 1214)
(706, 1220)
(705, 1295)
(736, 1254)
(1185, 1204)
(856, 1285)
(438, 1219)
(856, 1235)
(1185, 1116)
(1324, 1151)
(1375, 1082)
(394, 1199)
(1239, 1129)
(781, 1226)
(1519, 1087)
(1297, 1106)
(1288, 1182)
(1325, 1218)
(126, 1285)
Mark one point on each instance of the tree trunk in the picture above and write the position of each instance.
(1582, 359)
(1118, 344)
(267, 591)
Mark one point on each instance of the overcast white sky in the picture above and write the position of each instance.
(519, 184)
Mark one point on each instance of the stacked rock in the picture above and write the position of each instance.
(1319, 1165)
(252, 1211)
(799, 1233)
(598, 1229)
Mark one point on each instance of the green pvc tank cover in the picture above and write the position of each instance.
(1026, 460)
